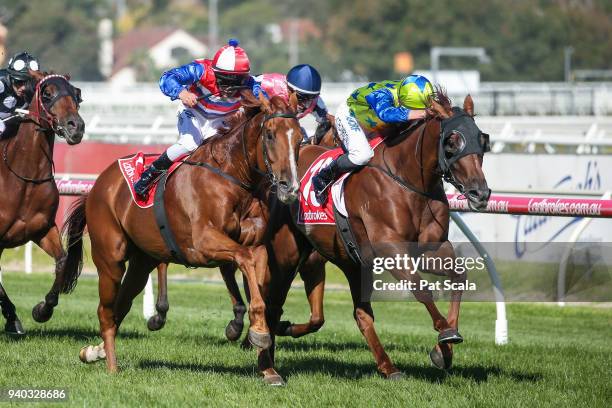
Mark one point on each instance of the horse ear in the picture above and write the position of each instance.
(264, 103)
(293, 102)
(468, 105)
(248, 99)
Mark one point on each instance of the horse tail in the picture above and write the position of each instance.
(73, 229)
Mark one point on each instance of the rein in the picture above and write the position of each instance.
(269, 174)
(403, 183)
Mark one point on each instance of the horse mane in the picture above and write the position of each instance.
(440, 96)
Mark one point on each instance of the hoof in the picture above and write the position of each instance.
(42, 314)
(274, 380)
(156, 322)
(439, 360)
(449, 336)
(246, 344)
(396, 376)
(261, 340)
(284, 328)
(14, 328)
(91, 354)
(233, 330)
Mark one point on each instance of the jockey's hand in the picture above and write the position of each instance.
(417, 114)
(188, 98)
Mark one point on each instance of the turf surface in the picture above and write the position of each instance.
(556, 356)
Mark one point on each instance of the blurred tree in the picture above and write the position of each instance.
(61, 33)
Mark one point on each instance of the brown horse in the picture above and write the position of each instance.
(206, 211)
(30, 198)
(397, 198)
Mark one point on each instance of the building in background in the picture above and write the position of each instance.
(163, 47)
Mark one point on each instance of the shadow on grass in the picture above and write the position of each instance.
(290, 366)
(247, 371)
(75, 333)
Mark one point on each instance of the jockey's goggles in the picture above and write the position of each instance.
(230, 80)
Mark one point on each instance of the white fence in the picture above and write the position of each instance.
(142, 114)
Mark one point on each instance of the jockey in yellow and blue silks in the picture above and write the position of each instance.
(367, 111)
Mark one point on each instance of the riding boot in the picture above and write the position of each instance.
(160, 165)
(329, 174)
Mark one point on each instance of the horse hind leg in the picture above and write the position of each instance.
(234, 327)
(364, 317)
(162, 306)
(313, 275)
(13, 325)
(52, 245)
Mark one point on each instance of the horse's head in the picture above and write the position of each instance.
(281, 137)
(461, 149)
(55, 106)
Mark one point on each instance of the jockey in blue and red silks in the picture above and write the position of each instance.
(208, 92)
(303, 80)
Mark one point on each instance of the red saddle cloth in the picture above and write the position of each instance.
(132, 167)
(311, 212)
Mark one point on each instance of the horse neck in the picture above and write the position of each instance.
(416, 158)
(233, 147)
(30, 148)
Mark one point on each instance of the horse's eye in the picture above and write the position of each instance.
(270, 135)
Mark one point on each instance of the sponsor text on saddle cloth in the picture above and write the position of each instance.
(311, 212)
(132, 167)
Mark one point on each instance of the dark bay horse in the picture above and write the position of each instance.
(205, 212)
(397, 198)
(30, 197)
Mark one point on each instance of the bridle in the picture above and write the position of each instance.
(41, 116)
(42, 113)
(266, 156)
(457, 123)
(268, 174)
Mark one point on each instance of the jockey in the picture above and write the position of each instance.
(303, 80)
(15, 89)
(368, 110)
(208, 91)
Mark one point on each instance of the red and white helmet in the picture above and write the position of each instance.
(231, 59)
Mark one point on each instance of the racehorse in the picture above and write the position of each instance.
(31, 198)
(397, 198)
(207, 212)
(312, 273)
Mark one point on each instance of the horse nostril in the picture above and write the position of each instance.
(71, 125)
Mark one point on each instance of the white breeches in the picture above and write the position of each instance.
(352, 136)
(194, 128)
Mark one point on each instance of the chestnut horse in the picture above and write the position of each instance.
(312, 273)
(30, 197)
(397, 198)
(205, 211)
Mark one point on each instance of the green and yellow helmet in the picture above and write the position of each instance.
(414, 92)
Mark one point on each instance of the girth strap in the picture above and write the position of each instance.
(159, 210)
(348, 238)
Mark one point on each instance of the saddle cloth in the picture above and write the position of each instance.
(310, 211)
(132, 167)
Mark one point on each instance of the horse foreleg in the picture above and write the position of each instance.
(219, 247)
(313, 275)
(234, 328)
(161, 305)
(52, 245)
